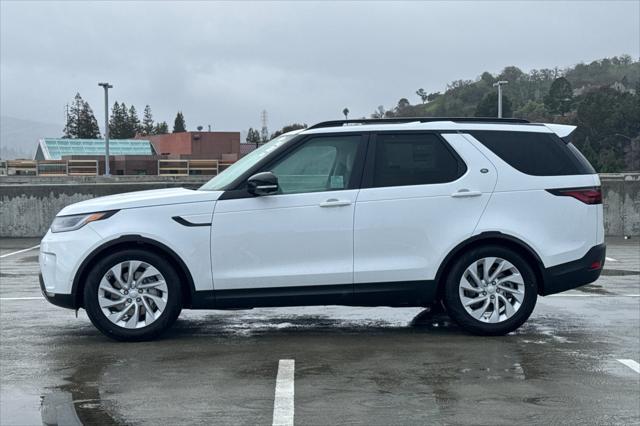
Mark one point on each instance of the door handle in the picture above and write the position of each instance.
(334, 202)
(466, 193)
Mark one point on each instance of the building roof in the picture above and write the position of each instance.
(56, 148)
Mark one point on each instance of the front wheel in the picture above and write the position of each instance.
(490, 290)
(132, 295)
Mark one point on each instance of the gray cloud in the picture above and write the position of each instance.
(222, 63)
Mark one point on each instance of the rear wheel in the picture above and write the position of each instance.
(490, 290)
(132, 295)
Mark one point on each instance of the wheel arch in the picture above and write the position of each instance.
(498, 238)
(129, 242)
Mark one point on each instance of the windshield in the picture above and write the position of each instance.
(230, 174)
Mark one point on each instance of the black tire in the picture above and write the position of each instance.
(460, 315)
(151, 331)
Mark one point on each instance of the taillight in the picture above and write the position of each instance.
(590, 195)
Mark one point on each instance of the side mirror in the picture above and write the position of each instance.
(264, 183)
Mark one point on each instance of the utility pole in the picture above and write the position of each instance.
(264, 131)
(106, 87)
(499, 85)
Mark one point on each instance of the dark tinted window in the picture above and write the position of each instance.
(538, 154)
(414, 159)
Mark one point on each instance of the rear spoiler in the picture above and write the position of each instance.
(564, 131)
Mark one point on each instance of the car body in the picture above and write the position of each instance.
(352, 212)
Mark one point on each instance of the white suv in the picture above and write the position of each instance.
(482, 215)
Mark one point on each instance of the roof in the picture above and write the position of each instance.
(56, 148)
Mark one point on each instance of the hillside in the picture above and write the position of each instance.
(600, 97)
(18, 137)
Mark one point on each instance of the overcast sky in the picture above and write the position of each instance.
(222, 63)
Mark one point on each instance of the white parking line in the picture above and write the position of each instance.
(283, 402)
(610, 259)
(22, 298)
(19, 251)
(594, 295)
(631, 364)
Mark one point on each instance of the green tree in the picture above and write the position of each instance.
(422, 95)
(118, 121)
(87, 123)
(288, 128)
(560, 97)
(179, 125)
(345, 112)
(488, 106)
(253, 136)
(133, 123)
(147, 121)
(161, 128)
(609, 121)
(81, 122)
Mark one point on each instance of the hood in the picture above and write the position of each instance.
(131, 200)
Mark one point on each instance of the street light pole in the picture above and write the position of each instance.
(106, 87)
(499, 85)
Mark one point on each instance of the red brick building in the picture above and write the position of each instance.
(198, 145)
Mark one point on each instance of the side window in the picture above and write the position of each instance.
(414, 159)
(538, 154)
(320, 164)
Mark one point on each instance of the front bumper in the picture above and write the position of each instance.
(62, 300)
(574, 274)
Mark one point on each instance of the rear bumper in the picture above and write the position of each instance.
(574, 274)
(62, 300)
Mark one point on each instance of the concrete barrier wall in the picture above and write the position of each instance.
(29, 204)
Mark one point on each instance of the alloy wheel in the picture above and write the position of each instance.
(132, 294)
(491, 290)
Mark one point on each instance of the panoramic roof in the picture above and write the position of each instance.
(56, 148)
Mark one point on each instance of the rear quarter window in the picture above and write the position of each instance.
(537, 154)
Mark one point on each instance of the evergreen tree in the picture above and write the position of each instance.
(133, 123)
(179, 125)
(118, 121)
(161, 128)
(560, 97)
(147, 121)
(87, 123)
(81, 122)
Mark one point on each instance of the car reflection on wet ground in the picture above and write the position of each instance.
(352, 365)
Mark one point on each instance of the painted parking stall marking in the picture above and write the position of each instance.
(22, 298)
(283, 404)
(19, 251)
(631, 364)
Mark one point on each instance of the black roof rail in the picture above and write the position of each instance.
(338, 123)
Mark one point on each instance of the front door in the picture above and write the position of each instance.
(303, 234)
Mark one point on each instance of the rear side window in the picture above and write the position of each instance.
(414, 159)
(538, 154)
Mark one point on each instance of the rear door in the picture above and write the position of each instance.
(422, 194)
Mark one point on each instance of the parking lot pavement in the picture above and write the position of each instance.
(379, 366)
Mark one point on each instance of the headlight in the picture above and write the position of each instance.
(77, 221)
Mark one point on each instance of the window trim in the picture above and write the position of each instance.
(238, 189)
(369, 169)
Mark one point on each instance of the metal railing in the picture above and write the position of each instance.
(191, 167)
(91, 167)
(49, 168)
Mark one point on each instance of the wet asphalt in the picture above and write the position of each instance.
(357, 366)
